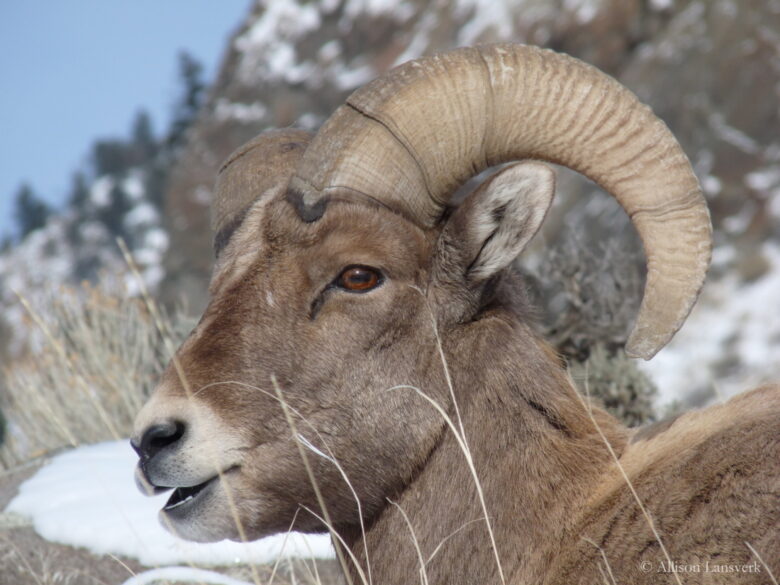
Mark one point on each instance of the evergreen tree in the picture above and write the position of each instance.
(78, 199)
(144, 142)
(112, 157)
(113, 215)
(79, 191)
(154, 166)
(155, 183)
(6, 334)
(188, 104)
(31, 212)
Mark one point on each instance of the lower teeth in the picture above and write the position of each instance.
(180, 502)
(182, 495)
(177, 504)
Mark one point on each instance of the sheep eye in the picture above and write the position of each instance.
(359, 279)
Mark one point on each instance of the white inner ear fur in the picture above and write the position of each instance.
(508, 211)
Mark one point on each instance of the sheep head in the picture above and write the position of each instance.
(342, 270)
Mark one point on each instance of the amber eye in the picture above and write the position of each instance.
(359, 279)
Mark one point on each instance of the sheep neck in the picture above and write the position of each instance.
(537, 454)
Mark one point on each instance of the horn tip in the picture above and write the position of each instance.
(645, 345)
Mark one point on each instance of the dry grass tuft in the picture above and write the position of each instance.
(97, 363)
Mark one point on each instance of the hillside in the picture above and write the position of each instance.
(694, 61)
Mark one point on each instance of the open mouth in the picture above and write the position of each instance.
(182, 496)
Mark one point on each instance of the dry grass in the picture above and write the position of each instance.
(96, 363)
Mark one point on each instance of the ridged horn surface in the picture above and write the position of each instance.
(260, 167)
(411, 137)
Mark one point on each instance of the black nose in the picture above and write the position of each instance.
(157, 437)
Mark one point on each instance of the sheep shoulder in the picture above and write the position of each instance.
(710, 481)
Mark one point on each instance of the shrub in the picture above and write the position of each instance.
(589, 291)
(613, 379)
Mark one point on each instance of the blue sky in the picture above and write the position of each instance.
(76, 70)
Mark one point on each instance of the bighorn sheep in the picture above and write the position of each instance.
(345, 282)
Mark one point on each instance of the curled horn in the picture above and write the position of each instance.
(411, 137)
(259, 168)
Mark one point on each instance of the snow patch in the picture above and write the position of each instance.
(153, 276)
(350, 78)
(184, 575)
(202, 195)
(661, 4)
(711, 185)
(87, 497)
(329, 51)
(421, 39)
(92, 232)
(281, 20)
(309, 121)
(268, 45)
(329, 6)
(400, 11)
(227, 110)
(739, 222)
(733, 321)
(37, 267)
(147, 256)
(728, 8)
(100, 192)
(722, 256)
(156, 238)
(584, 10)
(133, 185)
(484, 15)
(142, 215)
(763, 179)
(774, 205)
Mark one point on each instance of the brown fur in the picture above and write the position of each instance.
(555, 498)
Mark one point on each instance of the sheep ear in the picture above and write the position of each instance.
(497, 220)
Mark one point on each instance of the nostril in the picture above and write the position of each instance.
(157, 437)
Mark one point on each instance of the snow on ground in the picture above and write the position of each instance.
(182, 574)
(730, 342)
(87, 497)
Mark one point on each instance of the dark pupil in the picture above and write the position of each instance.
(358, 278)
